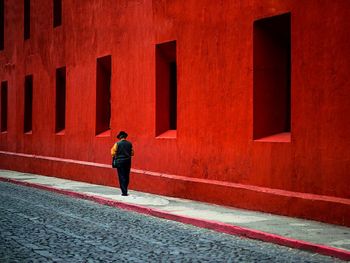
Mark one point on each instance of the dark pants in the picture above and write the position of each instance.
(123, 175)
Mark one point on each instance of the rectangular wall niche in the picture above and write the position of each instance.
(57, 13)
(28, 103)
(272, 78)
(166, 89)
(2, 24)
(26, 19)
(103, 94)
(3, 106)
(60, 100)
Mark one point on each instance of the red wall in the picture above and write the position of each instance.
(213, 157)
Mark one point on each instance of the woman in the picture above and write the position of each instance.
(122, 151)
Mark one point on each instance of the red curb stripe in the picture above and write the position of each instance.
(213, 225)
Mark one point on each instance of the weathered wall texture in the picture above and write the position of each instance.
(213, 157)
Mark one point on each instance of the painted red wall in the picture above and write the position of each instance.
(213, 157)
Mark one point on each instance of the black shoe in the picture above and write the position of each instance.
(124, 194)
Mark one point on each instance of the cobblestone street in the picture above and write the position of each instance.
(39, 226)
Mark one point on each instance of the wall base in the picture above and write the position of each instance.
(295, 204)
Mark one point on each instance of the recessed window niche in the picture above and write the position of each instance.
(103, 94)
(60, 100)
(28, 104)
(57, 13)
(272, 79)
(166, 90)
(2, 24)
(4, 104)
(26, 20)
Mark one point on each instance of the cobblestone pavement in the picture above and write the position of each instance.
(40, 226)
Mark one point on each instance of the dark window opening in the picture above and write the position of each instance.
(272, 76)
(3, 106)
(57, 13)
(172, 95)
(60, 99)
(166, 87)
(28, 103)
(2, 24)
(26, 19)
(103, 94)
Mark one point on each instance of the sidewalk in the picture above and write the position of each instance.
(309, 235)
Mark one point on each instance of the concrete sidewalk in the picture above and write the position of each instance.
(309, 235)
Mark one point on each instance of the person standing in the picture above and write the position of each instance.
(123, 151)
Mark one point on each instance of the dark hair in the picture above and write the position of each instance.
(122, 135)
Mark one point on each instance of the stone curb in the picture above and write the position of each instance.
(213, 225)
